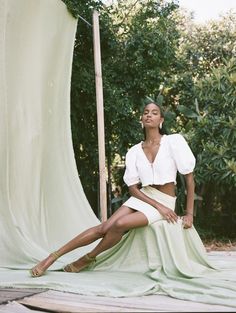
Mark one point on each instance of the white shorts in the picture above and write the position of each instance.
(148, 210)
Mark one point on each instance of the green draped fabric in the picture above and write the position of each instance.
(158, 259)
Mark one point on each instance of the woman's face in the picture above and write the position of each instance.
(151, 117)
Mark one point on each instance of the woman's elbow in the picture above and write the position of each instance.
(190, 179)
(133, 189)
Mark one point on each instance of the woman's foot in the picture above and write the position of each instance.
(80, 264)
(42, 266)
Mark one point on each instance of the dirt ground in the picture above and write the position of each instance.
(216, 245)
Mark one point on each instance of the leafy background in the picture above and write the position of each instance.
(153, 49)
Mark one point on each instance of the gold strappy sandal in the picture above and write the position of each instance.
(37, 271)
(71, 268)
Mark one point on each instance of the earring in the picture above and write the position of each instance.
(141, 124)
(160, 126)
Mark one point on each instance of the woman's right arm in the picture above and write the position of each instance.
(167, 213)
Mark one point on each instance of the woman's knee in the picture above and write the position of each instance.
(119, 225)
(103, 229)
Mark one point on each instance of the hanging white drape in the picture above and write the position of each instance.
(42, 201)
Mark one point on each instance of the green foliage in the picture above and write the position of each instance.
(214, 139)
(79, 7)
(205, 46)
(133, 65)
(72, 6)
(150, 49)
(203, 89)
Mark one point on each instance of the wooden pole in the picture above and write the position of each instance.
(100, 117)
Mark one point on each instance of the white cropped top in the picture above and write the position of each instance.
(174, 155)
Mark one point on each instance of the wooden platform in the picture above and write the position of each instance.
(55, 301)
(10, 294)
(36, 300)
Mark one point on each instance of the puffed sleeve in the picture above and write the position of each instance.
(182, 154)
(131, 176)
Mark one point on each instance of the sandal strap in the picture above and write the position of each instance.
(72, 268)
(55, 255)
(89, 258)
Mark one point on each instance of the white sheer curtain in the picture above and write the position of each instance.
(42, 202)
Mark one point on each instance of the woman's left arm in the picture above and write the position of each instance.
(190, 186)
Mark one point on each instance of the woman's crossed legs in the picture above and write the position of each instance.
(111, 232)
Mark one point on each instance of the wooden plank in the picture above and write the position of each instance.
(10, 294)
(56, 301)
(14, 307)
(67, 307)
(100, 117)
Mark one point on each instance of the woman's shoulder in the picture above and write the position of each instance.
(175, 138)
(134, 148)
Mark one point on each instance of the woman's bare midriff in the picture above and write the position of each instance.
(168, 188)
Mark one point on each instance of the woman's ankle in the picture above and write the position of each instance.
(90, 257)
(55, 255)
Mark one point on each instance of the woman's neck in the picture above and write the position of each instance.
(153, 136)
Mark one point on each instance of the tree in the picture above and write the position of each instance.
(136, 54)
(149, 49)
(202, 94)
(214, 142)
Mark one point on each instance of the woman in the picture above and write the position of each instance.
(153, 164)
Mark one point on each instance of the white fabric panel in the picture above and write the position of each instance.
(42, 202)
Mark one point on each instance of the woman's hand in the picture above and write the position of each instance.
(187, 221)
(167, 213)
